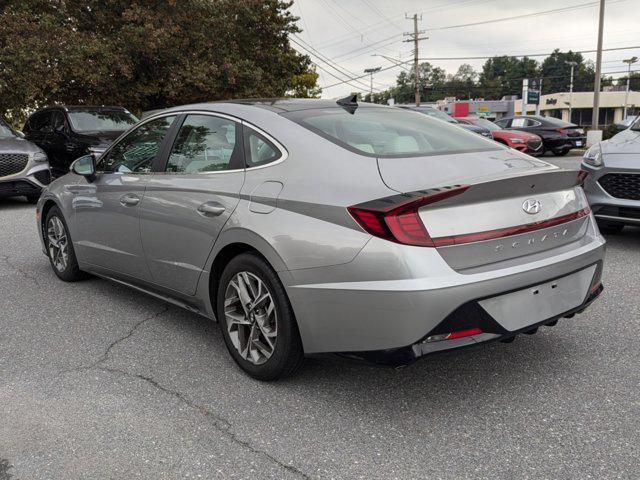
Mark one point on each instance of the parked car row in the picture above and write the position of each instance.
(52, 138)
(311, 226)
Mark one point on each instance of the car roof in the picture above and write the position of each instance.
(77, 108)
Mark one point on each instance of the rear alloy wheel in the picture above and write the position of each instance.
(59, 247)
(257, 321)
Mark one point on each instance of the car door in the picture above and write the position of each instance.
(37, 128)
(60, 149)
(107, 210)
(189, 200)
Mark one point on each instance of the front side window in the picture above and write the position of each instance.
(502, 123)
(259, 150)
(206, 144)
(388, 132)
(101, 120)
(135, 152)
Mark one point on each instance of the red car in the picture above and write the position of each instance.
(522, 141)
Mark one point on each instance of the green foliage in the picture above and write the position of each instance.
(557, 72)
(500, 76)
(146, 54)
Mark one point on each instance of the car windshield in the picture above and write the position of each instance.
(101, 120)
(636, 125)
(432, 112)
(556, 122)
(484, 123)
(388, 132)
(5, 131)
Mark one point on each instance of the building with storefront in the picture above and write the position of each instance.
(554, 105)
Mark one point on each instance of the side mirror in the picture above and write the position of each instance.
(85, 166)
(621, 126)
(20, 134)
(59, 129)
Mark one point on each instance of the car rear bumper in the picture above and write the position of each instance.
(402, 356)
(416, 292)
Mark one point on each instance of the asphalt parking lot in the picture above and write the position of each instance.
(99, 381)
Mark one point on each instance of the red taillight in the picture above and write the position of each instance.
(562, 131)
(582, 176)
(399, 221)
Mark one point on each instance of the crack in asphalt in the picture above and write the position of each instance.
(105, 355)
(220, 424)
(27, 275)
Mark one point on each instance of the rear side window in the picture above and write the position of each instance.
(39, 122)
(206, 143)
(259, 150)
(389, 132)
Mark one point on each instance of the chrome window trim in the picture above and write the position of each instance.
(127, 132)
(284, 153)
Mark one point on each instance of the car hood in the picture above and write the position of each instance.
(101, 138)
(17, 145)
(627, 141)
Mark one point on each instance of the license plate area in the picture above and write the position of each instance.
(531, 305)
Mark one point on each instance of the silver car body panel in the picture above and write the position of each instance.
(620, 155)
(350, 291)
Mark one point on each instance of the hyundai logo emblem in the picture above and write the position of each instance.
(532, 206)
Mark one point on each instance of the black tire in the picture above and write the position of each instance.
(287, 355)
(560, 152)
(610, 228)
(71, 272)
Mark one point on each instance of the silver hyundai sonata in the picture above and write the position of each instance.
(308, 226)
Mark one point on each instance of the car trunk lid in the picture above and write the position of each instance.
(512, 206)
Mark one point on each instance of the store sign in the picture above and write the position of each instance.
(533, 96)
(551, 101)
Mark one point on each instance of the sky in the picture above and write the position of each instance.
(351, 35)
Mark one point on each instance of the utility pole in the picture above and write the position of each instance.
(539, 97)
(572, 65)
(371, 71)
(628, 61)
(596, 87)
(415, 38)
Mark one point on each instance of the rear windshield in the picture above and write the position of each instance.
(101, 120)
(389, 132)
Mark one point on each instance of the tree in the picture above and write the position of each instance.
(503, 75)
(146, 54)
(305, 85)
(557, 73)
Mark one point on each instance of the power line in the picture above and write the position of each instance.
(350, 76)
(526, 15)
(485, 58)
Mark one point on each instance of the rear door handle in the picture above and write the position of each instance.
(129, 200)
(211, 209)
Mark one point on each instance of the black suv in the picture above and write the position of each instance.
(66, 133)
(557, 135)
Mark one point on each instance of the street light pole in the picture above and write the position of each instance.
(371, 71)
(596, 87)
(572, 64)
(628, 61)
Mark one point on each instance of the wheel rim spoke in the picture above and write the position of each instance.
(58, 247)
(250, 316)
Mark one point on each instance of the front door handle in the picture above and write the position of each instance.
(211, 209)
(129, 200)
